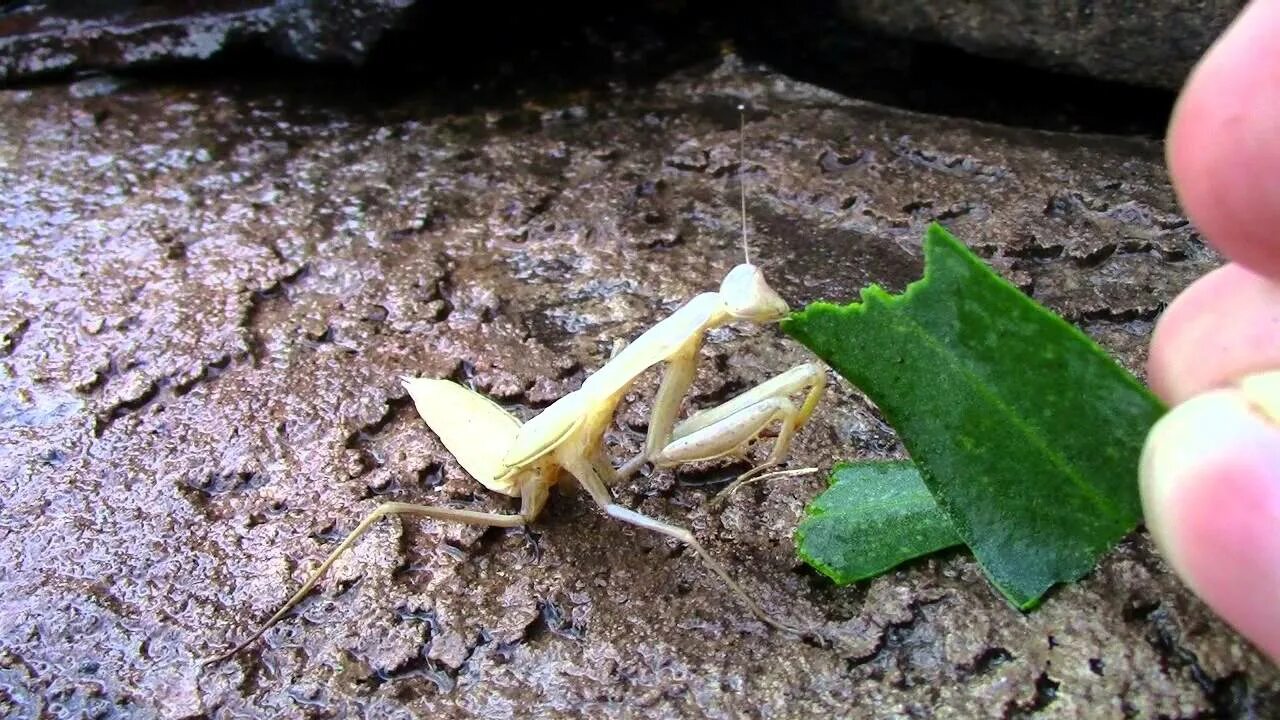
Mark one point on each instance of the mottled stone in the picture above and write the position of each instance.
(48, 36)
(1140, 42)
(209, 294)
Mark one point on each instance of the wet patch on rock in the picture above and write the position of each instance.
(210, 295)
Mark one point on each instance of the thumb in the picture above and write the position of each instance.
(1211, 496)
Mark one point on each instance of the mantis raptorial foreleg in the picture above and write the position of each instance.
(676, 379)
(677, 376)
(533, 496)
(728, 428)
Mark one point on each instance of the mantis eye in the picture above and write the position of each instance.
(747, 296)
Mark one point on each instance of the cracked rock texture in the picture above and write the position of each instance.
(209, 294)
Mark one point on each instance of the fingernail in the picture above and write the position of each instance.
(1210, 480)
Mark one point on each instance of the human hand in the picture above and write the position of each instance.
(1211, 469)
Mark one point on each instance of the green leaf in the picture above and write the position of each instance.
(1026, 433)
(875, 516)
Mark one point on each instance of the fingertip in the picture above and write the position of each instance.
(1211, 496)
(1223, 145)
(1225, 326)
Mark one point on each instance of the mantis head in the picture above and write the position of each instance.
(748, 297)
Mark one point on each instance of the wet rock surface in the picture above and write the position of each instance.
(210, 292)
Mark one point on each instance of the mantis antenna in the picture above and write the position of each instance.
(742, 179)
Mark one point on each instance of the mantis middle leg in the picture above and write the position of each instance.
(587, 474)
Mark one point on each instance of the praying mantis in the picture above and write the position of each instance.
(526, 460)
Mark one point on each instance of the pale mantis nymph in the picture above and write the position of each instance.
(524, 461)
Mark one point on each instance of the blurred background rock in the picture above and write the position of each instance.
(924, 55)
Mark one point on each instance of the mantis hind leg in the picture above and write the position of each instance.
(533, 496)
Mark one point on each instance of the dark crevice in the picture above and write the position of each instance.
(99, 379)
(174, 248)
(278, 255)
(13, 336)
(898, 645)
(552, 620)
(1146, 247)
(162, 388)
(1148, 314)
(532, 544)
(421, 666)
(444, 293)
(431, 476)
(1098, 256)
(1046, 693)
(1229, 697)
(709, 475)
(260, 517)
(1170, 255)
(724, 392)
(260, 299)
(483, 638)
(360, 438)
(831, 162)
(568, 368)
(401, 487)
(987, 661)
(1033, 251)
(483, 545)
(124, 407)
(226, 482)
(1106, 252)
(464, 373)
(329, 534)
(209, 372)
(344, 587)
(958, 164)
